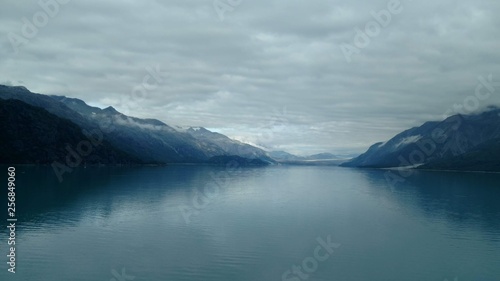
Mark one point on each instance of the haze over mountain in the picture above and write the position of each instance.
(32, 135)
(271, 73)
(460, 142)
(146, 140)
(229, 146)
(150, 140)
(285, 156)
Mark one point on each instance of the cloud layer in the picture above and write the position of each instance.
(272, 73)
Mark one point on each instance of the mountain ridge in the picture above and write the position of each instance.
(150, 140)
(32, 135)
(439, 145)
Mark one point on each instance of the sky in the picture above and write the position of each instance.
(301, 76)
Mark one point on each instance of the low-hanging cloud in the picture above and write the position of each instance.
(234, 75)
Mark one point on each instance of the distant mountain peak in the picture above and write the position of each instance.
(149, 140)
(197, 129)
(18, 88)
(110, 110)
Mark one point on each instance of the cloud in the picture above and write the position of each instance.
(236, 76)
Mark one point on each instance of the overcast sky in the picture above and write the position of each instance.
(273, 73)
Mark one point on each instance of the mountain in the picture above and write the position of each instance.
(322, 156)
(237, 161)
(228, 146)
(147, 139)
(150, 139)
(43, 101)
(484, 157)
(321, 159)
(459, 142)
(284, 156)
(32, 135)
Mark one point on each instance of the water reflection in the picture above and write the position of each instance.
(262, 222)
(466, 199)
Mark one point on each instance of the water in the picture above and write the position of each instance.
(150, 224)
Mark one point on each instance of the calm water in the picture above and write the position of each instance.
(150, 223)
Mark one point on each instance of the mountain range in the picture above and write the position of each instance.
(146, 140)
(32, 135)
(462, 142)
(128, 140)
(40, 129)
(284, 157)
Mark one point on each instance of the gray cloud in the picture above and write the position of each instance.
(272, 73)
